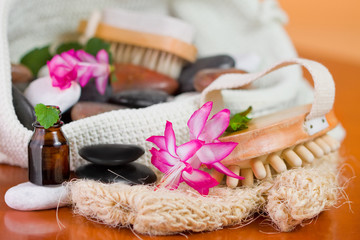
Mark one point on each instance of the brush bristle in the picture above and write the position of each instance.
(156, 60)
(304, 154)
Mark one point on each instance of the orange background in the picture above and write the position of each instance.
(325, 28)
(328, 31)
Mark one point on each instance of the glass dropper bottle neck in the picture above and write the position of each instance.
(58, 124)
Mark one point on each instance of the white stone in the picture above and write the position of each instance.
(42, 91)
(28, 196)
(43, 72)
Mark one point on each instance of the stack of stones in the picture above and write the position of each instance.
(114, 163)
(134, 87)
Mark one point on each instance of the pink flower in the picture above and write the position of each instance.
(174, 162)
(181, 164)
(81, 67)
(209, 131)
(91, 67)
(63, 70)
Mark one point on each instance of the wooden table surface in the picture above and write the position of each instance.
(332, 39)
(337, 223)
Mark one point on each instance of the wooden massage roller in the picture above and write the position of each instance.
(159, 43)
(274, 143)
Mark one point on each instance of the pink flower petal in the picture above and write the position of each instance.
(194, 162)
(84, 73)
(172, 178)
(215, 152)
(167, 158)
(159, 141)
(198, 119)
(187, 150)
(60, 71)
(64, 81)
(84, 79)
(72, 53)
(70, 57)
(56, 61)
(215, 126)
(162, 160)
(101, 70)
(199, 180)
(79, 66)
(60, 84)
(72, 75)
(101, 83)
(85, 57)
(102, 57)
(83, 69)
(170, 139)
(222, 169)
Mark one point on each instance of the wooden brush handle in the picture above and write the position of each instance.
(273, 133)
(323, 83)
(147, 40)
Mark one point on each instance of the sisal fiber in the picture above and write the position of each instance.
(289, 199)
(164, 212)
(301, 194)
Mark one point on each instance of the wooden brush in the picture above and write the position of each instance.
(160, 43)
(274, 143)
(283, 140)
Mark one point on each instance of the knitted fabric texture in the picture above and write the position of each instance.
(291, 198)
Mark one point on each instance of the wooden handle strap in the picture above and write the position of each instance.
(323, 84)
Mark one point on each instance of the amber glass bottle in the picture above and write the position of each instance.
(49, 155)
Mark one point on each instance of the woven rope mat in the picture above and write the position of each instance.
(288, 199)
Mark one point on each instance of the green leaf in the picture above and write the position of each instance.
(239, 121)
(68, 46)
(47, 116)
(94, 45)
(36, 58)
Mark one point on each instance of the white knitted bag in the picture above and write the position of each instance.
(234, 27)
